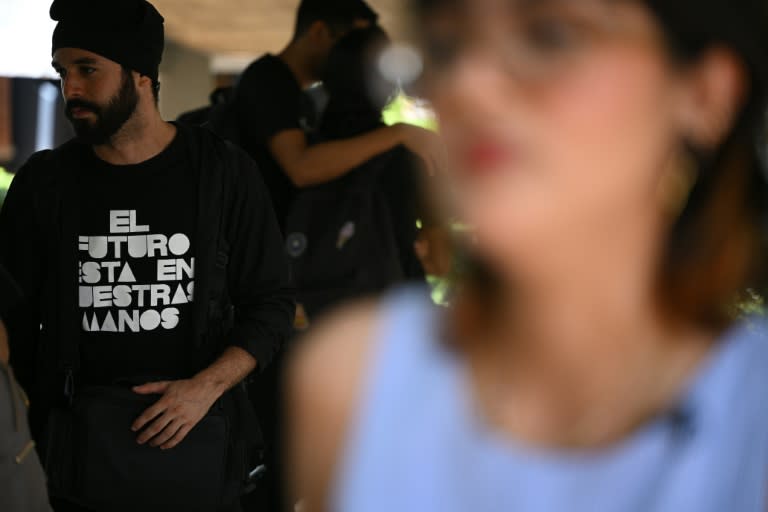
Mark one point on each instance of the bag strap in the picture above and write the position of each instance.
(223, 310)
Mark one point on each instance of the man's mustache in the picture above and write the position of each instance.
(81, 104)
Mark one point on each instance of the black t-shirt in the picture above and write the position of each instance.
(136, 267)
(270, 101)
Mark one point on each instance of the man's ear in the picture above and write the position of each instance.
(714, 91)
(142, 81)
(320, 32)
(362, 23)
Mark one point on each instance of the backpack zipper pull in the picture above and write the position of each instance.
(345, 235)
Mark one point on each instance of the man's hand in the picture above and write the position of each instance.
(182, 405)
(185, 402)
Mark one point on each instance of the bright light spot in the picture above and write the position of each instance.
(400, 64)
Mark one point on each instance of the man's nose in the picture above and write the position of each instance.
(71, 88)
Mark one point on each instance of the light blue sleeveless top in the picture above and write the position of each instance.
(416, 445)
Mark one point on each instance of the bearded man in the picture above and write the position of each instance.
(154, 279)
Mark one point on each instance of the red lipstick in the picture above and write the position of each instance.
(484, 157)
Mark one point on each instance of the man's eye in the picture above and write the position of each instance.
(87, 70)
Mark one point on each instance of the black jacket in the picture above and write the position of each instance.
(241, 294)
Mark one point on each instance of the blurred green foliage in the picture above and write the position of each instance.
(751, 304)
(405, 109)
(5, 182)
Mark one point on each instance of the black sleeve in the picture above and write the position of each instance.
(22, 250)
(267, 105)
(258, 270)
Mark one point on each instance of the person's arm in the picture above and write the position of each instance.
(258, 273)
(185, 402)
(324, 383)
(311, 165)
(257, 283)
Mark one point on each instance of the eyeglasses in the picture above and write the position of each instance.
(532, 44)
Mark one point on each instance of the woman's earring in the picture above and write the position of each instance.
(676, 184)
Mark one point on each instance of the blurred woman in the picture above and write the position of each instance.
(605, 154)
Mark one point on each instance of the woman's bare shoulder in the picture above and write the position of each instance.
(325, 382)
(335, 353)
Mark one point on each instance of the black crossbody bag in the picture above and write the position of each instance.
(92, 458)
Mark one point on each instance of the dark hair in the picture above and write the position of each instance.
(719, 245)
(357, 91)
(339, 15)
(156, 91)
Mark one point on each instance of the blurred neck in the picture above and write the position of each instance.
(298, 60)
(581, 345)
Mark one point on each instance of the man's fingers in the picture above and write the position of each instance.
(155, 428)
(152, 388)
(167, 433)
(148, 415)
(439, 156)
(177, 437)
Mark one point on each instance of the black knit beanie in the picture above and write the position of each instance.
(129, 32)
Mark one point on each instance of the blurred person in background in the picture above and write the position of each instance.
(605, 154)
(269, 101)
(355, 235)
(22, 481)
(271, 118)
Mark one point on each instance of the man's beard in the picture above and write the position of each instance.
(109, 119)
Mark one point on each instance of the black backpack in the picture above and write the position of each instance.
(222, 115)
(223, 119)
(342, 240)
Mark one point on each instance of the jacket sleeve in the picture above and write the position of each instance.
(258, 270)
(22, 249)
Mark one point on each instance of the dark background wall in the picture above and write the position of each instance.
(25, 99)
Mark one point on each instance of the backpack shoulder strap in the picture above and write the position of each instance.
(217, 161)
